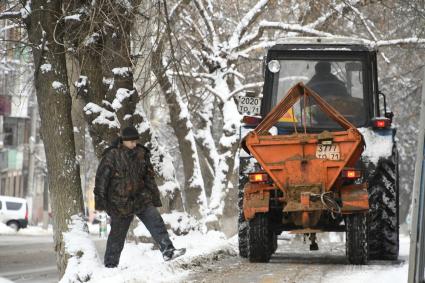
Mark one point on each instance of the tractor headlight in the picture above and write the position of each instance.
(274, 66)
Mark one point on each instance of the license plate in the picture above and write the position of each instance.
(249, 105)
(328, 151)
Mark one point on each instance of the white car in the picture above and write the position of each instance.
(14, 212)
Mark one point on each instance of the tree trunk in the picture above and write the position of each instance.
(194, 197)
(55, 103)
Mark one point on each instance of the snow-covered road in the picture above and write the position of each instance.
(293, 262)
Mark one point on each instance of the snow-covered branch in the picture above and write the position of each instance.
(399, 41)
(191, 75)
(214, 92)
(369, 30)
(266, 25)
(104, 116)
(246, 22)
(10, 15)
(336, 10)
(202, 37)
(207, 20)
(257, 47)
(245, 87)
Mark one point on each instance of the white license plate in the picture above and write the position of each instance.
(249, 105)
(328, 151)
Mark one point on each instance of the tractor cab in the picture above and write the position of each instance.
(342, 71)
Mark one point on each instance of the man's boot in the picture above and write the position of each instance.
(173, 253)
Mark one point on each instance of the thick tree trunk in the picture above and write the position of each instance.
(55, 103)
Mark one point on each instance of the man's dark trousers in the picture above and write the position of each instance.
(119, 228)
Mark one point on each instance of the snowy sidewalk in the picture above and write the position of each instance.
(140, 263)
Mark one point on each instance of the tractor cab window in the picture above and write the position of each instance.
(340, 83)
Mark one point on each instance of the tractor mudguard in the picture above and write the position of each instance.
(355, 198)
(256, 199)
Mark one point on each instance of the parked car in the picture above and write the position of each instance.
(14, 212)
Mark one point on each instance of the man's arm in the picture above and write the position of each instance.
(103, 175)
(150, 182)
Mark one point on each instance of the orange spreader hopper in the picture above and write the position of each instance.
(305, 159)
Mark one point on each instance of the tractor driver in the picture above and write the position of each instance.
(325, 83)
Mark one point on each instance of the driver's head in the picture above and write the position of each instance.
(323, 67)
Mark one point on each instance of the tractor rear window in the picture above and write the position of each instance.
(13, 205)
(340, 83)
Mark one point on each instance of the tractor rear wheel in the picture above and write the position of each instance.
(242, 224)
(383, 213)
(259, 245)
(356, 242)
(273, 242)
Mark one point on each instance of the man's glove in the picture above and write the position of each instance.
(99, 204)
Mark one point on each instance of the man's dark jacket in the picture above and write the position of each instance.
(125, 182)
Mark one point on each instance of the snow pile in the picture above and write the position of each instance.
(4, 229)
(377, 145)
(4, 280)
(180, 223)
(36, 231)
(29, 231)
(139, 262)
(83, 255)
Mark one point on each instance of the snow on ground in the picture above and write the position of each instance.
(4, 280)
(30, 230)
(4, 229)
(141, 263)
(375, 272)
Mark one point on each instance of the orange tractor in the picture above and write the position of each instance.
(320, 157)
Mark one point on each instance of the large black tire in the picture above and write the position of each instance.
(273, 242)
(384, 209)
(242, 224)
(259, 245)
(356, 242)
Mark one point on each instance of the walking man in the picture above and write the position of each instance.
(124, 187)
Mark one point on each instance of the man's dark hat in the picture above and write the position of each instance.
(129, 133)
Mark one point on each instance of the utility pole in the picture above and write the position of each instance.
(417, 239)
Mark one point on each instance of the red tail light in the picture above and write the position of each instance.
(258, 177)
(350, 173)
(381, 123)
(251, 120)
